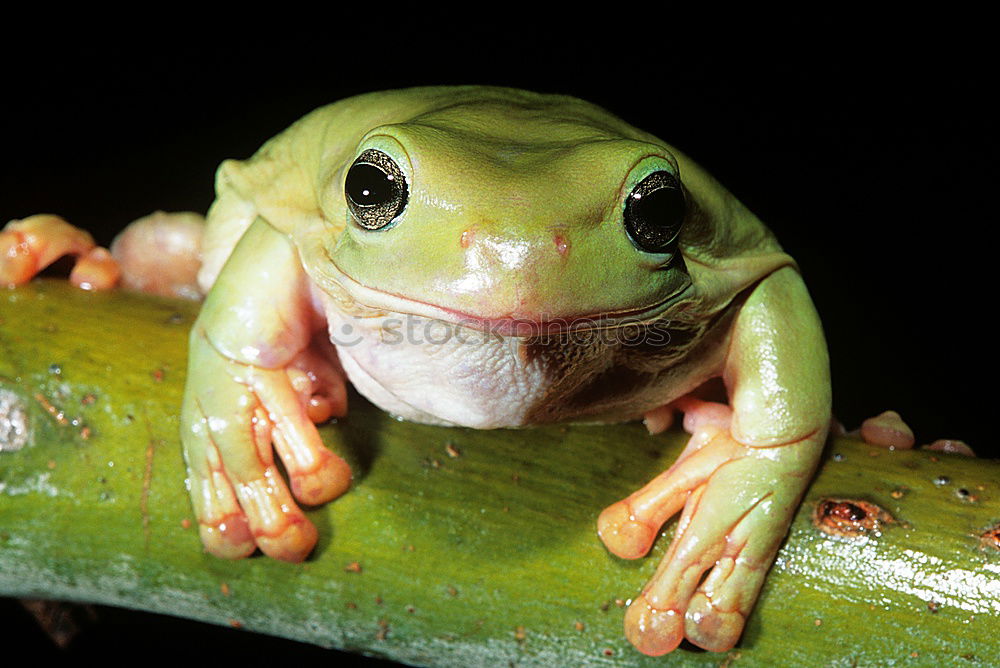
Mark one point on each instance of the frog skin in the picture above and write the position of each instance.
(572, 268)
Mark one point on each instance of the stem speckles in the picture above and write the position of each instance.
(14, 431)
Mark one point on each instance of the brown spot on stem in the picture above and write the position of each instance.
(353, 567)
(849, 518)
(990, 539)
(452, 451)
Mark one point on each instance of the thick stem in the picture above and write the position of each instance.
(454, 547)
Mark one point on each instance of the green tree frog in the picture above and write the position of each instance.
(574, 268)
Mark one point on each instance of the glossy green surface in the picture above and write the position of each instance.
(508, 190)
(487, 556)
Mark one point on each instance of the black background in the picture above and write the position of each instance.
(874, 170)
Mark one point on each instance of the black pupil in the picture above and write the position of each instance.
(661, 210)
(367, 185)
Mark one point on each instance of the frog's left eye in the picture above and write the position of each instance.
(654, 213)
(376, 189)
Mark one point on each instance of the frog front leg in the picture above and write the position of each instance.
(739, 480)
(247, 390)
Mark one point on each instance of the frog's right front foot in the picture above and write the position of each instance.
(232, 415)
(28, 246)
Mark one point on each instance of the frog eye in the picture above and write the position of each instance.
(376, 189)
(654, 212)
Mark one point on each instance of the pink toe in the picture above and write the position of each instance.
(653, 632)
(710, 628)
(229, 538)
(296, 540)
(622, 533)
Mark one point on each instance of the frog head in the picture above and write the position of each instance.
(510, 217)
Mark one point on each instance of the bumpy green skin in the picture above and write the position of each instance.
(101, 519)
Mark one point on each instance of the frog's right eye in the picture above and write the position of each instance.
(376, 189)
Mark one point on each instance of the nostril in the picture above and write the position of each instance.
(562, 245)
(467, 238)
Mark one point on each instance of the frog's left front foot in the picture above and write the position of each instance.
(738, 501)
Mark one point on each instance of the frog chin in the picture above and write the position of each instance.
(514, 324)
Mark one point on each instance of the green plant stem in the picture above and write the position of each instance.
(454, 547)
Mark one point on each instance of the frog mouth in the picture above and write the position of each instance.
(514, 324)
